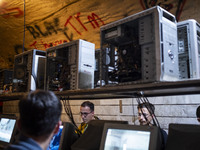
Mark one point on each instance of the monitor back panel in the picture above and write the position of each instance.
(183, 137)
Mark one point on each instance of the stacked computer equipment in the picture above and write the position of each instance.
(97, 69)
(70, 66)
(28, 74)
(6, 80)
(140, 48)
(189, 49)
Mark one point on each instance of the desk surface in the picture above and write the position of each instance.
(183, 87)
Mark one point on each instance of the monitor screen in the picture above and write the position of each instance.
(130, 137)
(91, 138)
(126, 139)
(7, 129)
(183, 136)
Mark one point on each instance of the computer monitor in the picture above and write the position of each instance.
(91, 138)
(8, 129)
(130, 137)
(183, 137)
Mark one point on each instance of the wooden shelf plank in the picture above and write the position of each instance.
(182, 87)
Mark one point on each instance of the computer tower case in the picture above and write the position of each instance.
(29, 69)
(70, 66)
(189, 49)
(140, 48)
(97, 69)
(6, 80)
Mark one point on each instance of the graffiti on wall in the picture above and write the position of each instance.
(93, 19)
(50, 28)
(7, 12)
(54, 27)
(45, 44)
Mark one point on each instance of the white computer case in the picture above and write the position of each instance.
(152, 36)
(189, 49)
(70, 66)
(28, 73)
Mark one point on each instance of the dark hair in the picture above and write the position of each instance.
(147, 105)
(39, 112)
(89, 104)
(198, 112)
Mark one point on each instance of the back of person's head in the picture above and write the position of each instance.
(198, 113)
(88, 104)
(147, 105)
(39, 112)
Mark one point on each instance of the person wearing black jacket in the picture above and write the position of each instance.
(145, 116)
(39, 120)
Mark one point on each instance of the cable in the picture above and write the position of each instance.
(142, 99)
(155, 120)
(151, 111)
(133, 111)
(24, 25)
(68, 111)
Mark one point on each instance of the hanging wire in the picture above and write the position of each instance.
(152, 112)
(68, 111)
(133, 111)
(24, 25)
(142, 99)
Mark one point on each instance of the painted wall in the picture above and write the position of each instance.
(36, 24)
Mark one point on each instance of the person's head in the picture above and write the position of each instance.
(145, 111)
(87, 111)
(40, 113)
(198, 113)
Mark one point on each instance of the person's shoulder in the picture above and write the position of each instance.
(23, 147)
(24, 144)
(16, 147)
(163, 131)
(164, 135)
(96, 118)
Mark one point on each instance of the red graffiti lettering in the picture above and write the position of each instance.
(78, 19)
(8, 12)
(68, 22)
(54, 28)
(92, 18)
(33, 45)
(47, 45)
(57, 42)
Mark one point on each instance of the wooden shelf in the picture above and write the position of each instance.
(183, 87)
